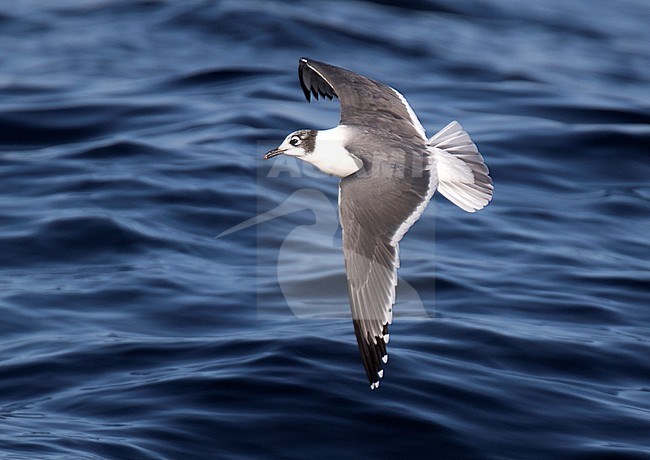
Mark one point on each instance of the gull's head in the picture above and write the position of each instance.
(297, 144)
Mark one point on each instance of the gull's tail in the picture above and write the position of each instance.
(463, 177)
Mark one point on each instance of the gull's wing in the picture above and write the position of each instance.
(364, 102)
(377, 205)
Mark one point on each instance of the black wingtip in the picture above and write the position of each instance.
(312, 82)
(305, 89)
(373, 353)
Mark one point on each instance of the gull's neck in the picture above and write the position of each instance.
(330, 154)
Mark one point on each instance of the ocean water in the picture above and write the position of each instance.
(131, 135)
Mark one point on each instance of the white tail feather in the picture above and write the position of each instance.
(463, 177)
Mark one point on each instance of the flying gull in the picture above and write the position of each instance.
(389, 170)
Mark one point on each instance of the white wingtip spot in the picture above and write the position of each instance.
(374, 385)
(381, 374)
(386, 338)
(384, 359)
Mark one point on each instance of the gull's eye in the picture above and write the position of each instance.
(295, 140)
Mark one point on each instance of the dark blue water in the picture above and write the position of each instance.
(131, 134)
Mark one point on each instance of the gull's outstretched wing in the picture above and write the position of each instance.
(364, 102)
(377, 205)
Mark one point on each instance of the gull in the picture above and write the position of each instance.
(389, 171)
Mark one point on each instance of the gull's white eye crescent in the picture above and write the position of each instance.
(295, 140)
